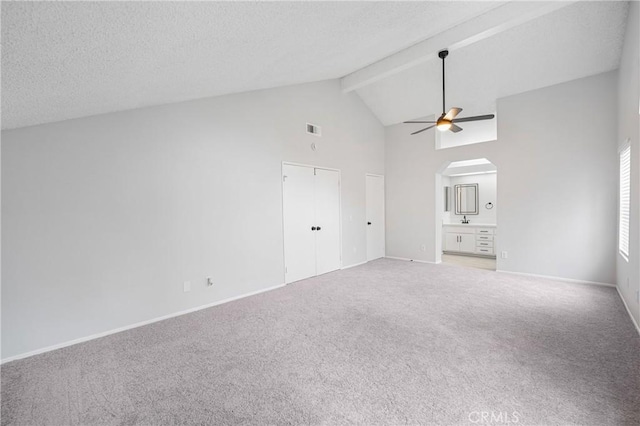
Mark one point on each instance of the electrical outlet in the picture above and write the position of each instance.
(187, 286)
(423, 247)
(504, 255)
(209, 281)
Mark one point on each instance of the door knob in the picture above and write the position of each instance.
(313, 228)
(318, 228)
(368, 223)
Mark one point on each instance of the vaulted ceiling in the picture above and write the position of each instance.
(63, 60)
(574, 41)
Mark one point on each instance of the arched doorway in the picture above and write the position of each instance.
(466, 213)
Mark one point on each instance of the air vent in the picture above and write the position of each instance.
(312, 129)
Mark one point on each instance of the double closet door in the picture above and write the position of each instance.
(311, 209)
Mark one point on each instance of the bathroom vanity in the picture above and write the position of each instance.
(471, 239)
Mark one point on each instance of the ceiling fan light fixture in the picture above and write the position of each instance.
(443, 125)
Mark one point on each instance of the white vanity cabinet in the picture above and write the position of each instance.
(469, 239)
(460, 240)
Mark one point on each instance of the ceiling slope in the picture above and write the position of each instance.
(63, 60)
(581, 39)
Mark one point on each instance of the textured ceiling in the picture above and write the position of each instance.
(579, 40)
(64, 60)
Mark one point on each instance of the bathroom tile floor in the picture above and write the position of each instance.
(470, 261)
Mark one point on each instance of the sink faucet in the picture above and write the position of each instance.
(464, 219)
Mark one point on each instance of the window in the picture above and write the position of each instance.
(625, 193)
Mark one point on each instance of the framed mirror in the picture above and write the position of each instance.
(467, 198)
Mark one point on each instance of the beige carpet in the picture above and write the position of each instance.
(390, 342)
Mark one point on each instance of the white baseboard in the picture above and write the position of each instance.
(138, 324)
(411, 260)
(624, 302)
(354, 265)
(566, 280)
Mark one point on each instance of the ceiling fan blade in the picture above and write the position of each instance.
(474, 118)
(455, 129)
(452, 113)
(420, 131)
(407, 122)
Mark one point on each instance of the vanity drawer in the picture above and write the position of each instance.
(484, 250)
(485, 231)
(484, 244)
(484, 237)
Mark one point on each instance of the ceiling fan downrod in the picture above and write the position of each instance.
(443, 54)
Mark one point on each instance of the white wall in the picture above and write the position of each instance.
(628, 128)
(474, 132)
(557, 182)
(487, 191)
(105, 217)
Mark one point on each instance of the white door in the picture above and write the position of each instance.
(375, 217)
(468, 243)
(327, 206)
(298, 218)
(451, 242)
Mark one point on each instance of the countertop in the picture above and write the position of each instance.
(486, 225)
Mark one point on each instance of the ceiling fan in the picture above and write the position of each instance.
(448, 120)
